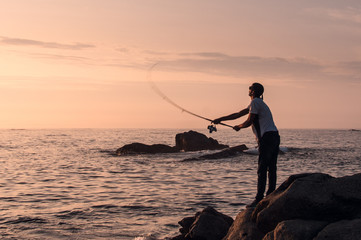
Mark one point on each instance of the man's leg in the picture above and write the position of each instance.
(262, 178)
(272, 175)
(272, 168)
(262, 170)
(261, 181)
(267, 146)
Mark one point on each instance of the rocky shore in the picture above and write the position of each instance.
(309, 206)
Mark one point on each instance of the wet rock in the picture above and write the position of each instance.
(229, 152)
(195, 141)
(208, 224)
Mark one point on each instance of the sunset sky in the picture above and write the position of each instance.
(84, 63)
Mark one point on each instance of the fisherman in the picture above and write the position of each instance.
(268, 139)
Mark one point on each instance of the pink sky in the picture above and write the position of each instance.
(70, 64)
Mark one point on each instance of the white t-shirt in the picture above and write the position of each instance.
(264, 122)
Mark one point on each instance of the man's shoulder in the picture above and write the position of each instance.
(257, 101)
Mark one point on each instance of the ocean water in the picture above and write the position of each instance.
(65, 184)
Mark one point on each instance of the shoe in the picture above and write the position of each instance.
(254, 203)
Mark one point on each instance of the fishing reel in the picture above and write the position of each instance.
(212, 128)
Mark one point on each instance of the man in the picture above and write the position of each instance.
(261, 120)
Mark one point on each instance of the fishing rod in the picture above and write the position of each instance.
(211, 128)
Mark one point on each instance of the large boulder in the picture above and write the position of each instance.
(312, 196)
(342, 230)
(295, 230)
(195, 141)
(208, 224)
(243, 227)
(310, 206)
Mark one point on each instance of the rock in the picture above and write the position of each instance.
(229, 152)
(296, 230)
(314, 196)
(187, 141)
(140, 148)
(254, 151)
(194, 141)
(243, 228)
(310, 206)
(208, 224)
(342, 230)
(186, 224)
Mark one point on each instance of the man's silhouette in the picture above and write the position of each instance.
(261, 120)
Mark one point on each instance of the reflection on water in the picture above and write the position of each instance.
(60, 184)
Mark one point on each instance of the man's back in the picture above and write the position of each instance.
(265, 119)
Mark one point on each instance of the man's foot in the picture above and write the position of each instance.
(254, 203)
(269, 192)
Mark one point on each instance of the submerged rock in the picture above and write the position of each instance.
(306, 206)
(229, 152)
(140, 148)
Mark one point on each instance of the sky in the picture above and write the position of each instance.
(88, 63)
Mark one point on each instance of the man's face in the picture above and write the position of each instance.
(250, 92)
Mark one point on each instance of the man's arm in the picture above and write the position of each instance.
(246, 123)
(231, 116)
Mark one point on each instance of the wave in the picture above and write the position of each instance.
(25, 219)
(73, 214)
(148, 237)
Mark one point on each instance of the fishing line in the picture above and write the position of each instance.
(211, 128)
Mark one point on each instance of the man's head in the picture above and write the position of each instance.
(256, 90)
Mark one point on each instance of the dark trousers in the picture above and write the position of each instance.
(267, 161)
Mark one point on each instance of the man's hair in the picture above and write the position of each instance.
(258, 89)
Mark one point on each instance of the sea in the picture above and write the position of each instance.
(68, 184)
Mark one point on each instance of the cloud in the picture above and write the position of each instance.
(218, 63)
(350, 71)
(122, 50)
(206, 54)
(36, 43)
(156, 53)
(348, 14)
(262, 68)
(61, 57)
(243, 66)
(344, 14)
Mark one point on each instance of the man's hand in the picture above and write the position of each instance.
(216, 121)
(237, 128)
